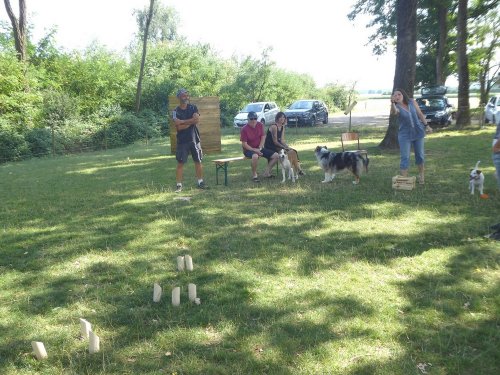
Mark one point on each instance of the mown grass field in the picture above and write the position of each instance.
(304, 278)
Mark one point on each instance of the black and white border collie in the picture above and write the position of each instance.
(334, 162)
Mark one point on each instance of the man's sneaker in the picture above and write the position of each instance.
(201, 185)
(178, 188)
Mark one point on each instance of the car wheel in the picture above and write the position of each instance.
(325, 121)
(313, 121)
(263, 121)
(486, 121)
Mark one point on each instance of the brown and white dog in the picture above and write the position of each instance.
(476, 179)
(290, 162)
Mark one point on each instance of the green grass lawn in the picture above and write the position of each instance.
(304, 278)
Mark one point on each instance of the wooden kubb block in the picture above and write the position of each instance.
(403, 183)
(157, 292)
(39, 350)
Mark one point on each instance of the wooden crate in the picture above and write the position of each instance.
(209, 126)
(403, 183)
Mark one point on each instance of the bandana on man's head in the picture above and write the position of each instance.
(181, 91)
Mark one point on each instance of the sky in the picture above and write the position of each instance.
(311, 37)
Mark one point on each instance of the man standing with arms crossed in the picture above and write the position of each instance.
(186, 118)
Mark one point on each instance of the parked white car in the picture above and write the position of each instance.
(266, 112)
(492, 110)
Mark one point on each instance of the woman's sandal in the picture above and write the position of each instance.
(255, 179)
(421, 180)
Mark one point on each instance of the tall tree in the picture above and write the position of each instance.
(483, 64)
(442, 19)
(406, 55)
(18, 28)
(143, 59)
(384, 21)
(463, 110)
(435, 19)
(253, 78)
(163, 26)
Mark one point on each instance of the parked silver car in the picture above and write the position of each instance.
(492, 110)
(266, 112)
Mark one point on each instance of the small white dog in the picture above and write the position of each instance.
(476, 179)
(287, 165)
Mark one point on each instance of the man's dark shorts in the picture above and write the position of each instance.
(265, 153)
(184, 149)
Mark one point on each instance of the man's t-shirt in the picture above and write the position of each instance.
(190, 134)
(252, 136)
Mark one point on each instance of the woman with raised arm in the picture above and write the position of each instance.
(412, 129)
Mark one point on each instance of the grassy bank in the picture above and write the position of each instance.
(308, 278)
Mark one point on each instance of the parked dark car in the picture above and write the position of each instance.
(307, 112)
(435, 105)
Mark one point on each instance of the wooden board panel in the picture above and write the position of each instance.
(209, 125)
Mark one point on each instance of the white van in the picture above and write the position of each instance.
(266, 112)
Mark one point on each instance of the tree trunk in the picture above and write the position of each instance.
(18, 28)
(406, 57)
(463, 110)
(485, 83)
(441, 50)
(483, 93)
(143, 59)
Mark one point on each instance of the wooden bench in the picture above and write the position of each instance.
(224, 164)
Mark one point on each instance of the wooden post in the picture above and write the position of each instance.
(53, 140)
(180, 263)
(156, 292)
(85, 328)
(94, 342)
(176, 296)
(192, 292)
(39, 350)
(189, 262)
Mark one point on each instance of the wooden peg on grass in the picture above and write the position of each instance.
(39, 350)
(189, 262)
(176, 296)
(156, 293)
(180, 263)
(94, 342)
(85, 328)
(192, 292)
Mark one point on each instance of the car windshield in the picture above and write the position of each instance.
(301, 104)
(253, 107)
(431, 103)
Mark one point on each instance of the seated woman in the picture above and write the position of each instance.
(275, 136)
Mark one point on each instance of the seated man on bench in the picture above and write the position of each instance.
(252, 139)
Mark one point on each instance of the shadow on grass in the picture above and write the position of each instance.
(131, 217)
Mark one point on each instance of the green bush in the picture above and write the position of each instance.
(58, 107)
(123, 130)
(13, 146)
(128, 128)
(154, 123)
(39, 141)
(75, 136)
